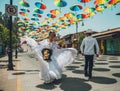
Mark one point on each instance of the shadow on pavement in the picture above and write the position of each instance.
(71, 67)
(103, 80)
(101, 69)
(116, 74)
(74, 84)
(78, 71)
(28, 70)
(18, 73)
(68, 84)
(114, 66)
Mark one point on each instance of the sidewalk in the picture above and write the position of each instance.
(24, 77)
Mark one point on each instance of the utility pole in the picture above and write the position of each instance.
(10, 64)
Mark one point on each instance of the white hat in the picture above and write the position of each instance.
(89, 31)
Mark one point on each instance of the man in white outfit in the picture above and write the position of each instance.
(89, 47)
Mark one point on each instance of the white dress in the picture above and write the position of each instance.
(59, 59)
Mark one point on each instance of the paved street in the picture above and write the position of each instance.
(25, 77)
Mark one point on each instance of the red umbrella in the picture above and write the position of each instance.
(40, 5)
(51, 16)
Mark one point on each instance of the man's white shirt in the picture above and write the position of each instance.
(88, 44)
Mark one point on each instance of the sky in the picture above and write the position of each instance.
(100, 22)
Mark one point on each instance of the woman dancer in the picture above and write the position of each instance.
(52, 58)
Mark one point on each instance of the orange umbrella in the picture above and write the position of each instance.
(55, 11)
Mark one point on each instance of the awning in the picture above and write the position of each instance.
(104, 36)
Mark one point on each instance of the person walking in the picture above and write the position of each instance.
(89, 47)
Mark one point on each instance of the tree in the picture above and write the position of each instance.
(80, 38)
(4, 36)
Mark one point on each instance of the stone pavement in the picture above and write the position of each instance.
(25, 76)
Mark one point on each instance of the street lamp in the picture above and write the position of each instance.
(10, 64)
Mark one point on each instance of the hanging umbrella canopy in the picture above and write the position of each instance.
(60, 3)
(22, 13)
(25, 10)
(84, 1)
(38, 11)
(89, 9)
(55, 11)
(35, 19)
(26, 19)
(24, 3)
(48, 19)
(62, 18)
(98, 2)
(40, 5)
(37, 15)
(69, 15)
(76, 7)
(100, 8)
(113, 2)
(82, 16)
(51, 16)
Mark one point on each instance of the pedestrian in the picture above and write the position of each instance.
(52, 58)
(89, 47)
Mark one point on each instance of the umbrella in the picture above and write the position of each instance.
(51, 16)
(38, 11)
(113, 2)
(22, 13)
(55, 11)
(60, 3)
(40, 5)
(84, 1)
(100, 8)
(76, 7)
(97, 2)
(69, 15)
(24, 3)
(88, 9)
(25, 10)
(35, 19)
(37, 15)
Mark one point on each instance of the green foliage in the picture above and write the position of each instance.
(4, 36)
(80, 38)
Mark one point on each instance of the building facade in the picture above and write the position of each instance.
(109, 41)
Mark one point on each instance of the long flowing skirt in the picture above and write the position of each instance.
(60, 58)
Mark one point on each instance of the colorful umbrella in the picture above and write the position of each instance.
(89, 10)
(35, 19)
(25, 10)
(76, 7)
(100, 8)
(38, 11)
(55, 11)
(24, 3)
(60, 3)
(37, 15)
(113, 1)
(22, 13)
(40, 5)
(69, 15)
(51, 16)
(84, 1)
(98, 2)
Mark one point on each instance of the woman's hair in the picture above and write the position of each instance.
(51, 33)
